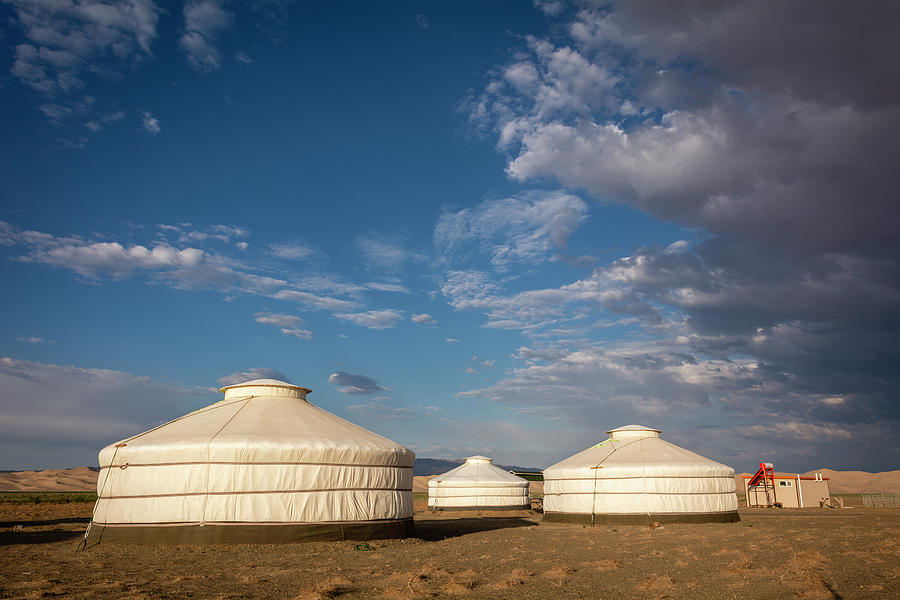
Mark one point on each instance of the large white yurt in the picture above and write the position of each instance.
(262, 466)
(478, 485)
(637, 477)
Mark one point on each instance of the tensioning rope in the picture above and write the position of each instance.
(112, 462)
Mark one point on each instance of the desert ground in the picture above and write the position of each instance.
(771, 553)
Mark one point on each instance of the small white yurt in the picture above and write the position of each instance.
(478, 485)
(637, 477)
(261, 466)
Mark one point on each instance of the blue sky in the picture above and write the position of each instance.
(474, 228)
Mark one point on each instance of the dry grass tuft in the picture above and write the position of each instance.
(460, 583)
(607, 564)
(805, 560)
(517, 577)
(661, 582)
(326, 590)
(740, 564)
(559, 574)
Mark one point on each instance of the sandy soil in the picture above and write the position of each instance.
(812, 554)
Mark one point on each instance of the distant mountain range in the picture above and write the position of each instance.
(436, 466)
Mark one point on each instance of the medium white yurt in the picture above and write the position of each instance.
(636, 477)
(478, 485)
(261, 466)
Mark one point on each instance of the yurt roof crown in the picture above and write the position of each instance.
(632, 432)
(479, 460)
(265, 387)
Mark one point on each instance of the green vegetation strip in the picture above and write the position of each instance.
(46, 497)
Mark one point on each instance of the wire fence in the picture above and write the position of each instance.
(881, 500)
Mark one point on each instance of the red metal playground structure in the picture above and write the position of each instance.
(765, 479)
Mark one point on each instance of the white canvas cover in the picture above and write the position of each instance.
(635, 472)
(477, 485)
(263, 455)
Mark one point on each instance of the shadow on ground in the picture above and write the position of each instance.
(45, 536)
(432, 530)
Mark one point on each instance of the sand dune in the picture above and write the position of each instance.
(80, 479)
(855, 482)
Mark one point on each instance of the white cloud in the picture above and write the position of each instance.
(242, 245)
(113, 259)
(204, 20)
(378, 410)
(374, 319)
(242, 57)
(105, 120)
(550, 7)
(290, 251)
(188, 234)
(423, 318)
(69, 39)
(451, 340)
(150, 123)
(33, 339)
(384, 256)
(48, 406)
(348, 383)
(311, 300)
(522, 229)
(250, 375)
(288, 324)
(185, 268)
(387, 287)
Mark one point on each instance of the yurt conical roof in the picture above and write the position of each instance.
(261, 465)
(636, 476)
(478, 485)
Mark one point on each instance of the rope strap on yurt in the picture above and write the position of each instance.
(87, 531)
(598, 466)
(123, 443)
(209, 455)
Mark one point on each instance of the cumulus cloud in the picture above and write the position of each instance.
(69, 43)
(250, 375)
(348, 383)
(185, 268)
(69, 39)
(374, 319)
(288, 324)
(779, 157)
(204, 21)
(423, 318)
(48, 411)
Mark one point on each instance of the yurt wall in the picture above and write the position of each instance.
(262, 465)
